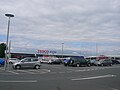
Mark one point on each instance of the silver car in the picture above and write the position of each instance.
(27, 63)
(13, 60)
(105, 62)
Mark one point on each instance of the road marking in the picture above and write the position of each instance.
(57, 67)
(25, 71)
(53, 72)
(2, 69)
(88, 70)
(37, 72)
(46, 70)
(13, 72)
(28, 81)
(88, 78)
(81, 70)
(69, 71)
(92, 69)
(61, 72)
(113, 89)
(96, 69)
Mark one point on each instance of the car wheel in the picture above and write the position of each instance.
(17, 67)
(102, 65)
(89, 65)
(37, 67)
(110, 64)
(78, 65)
(65, 64)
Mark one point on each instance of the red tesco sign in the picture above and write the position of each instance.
(46, 51)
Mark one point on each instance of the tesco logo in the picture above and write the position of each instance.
(46, 51)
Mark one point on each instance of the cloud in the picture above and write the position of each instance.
(39, 23)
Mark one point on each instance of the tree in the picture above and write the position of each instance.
(2, 50)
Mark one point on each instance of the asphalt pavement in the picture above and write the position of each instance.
(59, 77)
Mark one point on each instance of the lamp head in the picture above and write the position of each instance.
(9, 15)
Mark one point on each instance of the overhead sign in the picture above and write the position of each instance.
(46, 51)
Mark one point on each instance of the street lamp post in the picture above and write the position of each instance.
(6, 57)
(96, 49)
(62, 49)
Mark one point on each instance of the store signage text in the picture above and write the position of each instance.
(46, 51)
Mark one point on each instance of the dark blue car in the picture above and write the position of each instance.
(66, 62)
(77, 61)
(2, 61)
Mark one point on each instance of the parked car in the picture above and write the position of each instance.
(77, 61)
(104, 62)
(93, 62)
(2, 61)
(44, 60)
(13, 60)
(54, 61)
(115, 62)
(27, 63)
(66, 62)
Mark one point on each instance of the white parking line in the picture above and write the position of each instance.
(69, 71)
(81, 70)
(96, 77)
(28, 81)
(96, 69)
(13, 72)
(46, 70)
(61, 72)
(88, 70)
(92, 69)
(25, 71)
(53, 72)
(34, 71)
(113, 89)
(2, 69)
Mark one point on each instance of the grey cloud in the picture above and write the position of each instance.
(62, 21)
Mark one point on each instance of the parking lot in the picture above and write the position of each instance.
(59, 77)
(54, 69)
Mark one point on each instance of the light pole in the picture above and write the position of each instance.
(62, 49)
(96, 49)
(6, 56)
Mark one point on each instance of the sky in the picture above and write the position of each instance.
(86, 27)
